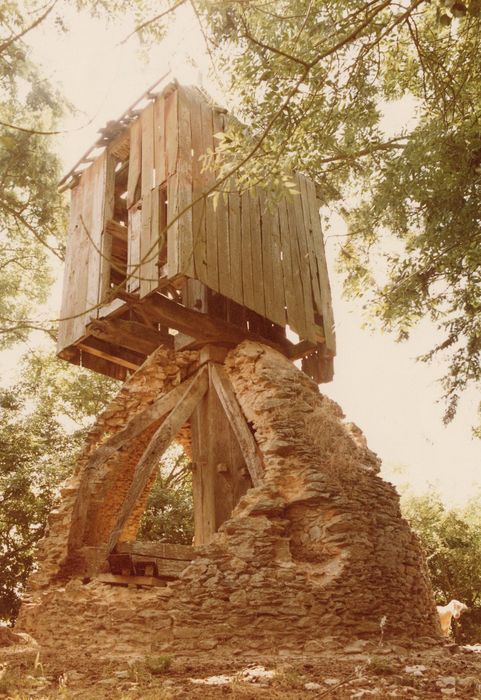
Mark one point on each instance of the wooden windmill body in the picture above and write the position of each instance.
(154, 259)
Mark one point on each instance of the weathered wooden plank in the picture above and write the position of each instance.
(117, 579)
(235, 245)
(267, 258)
(133, 261)
(279, 297)
(147, 255)
(135, 163)
(210, 204)
(256, 251)
(238, 422)
(70, 272)
(161, 550)
(157, 446)
(222, 220)
(128, 334)
(184, 170)
(316, 290)
(171, 132)
(159, 141)
(299, 323)
(109, 206)
(173, 266)
(198, 186)
(246, 247)
(326, 299)
(301, 239)
(103, 354)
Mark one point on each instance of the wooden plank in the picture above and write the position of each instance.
(267, 263)
(159, 141)
(71, 270)
(128, 334)
(235, 245)
(161, 439)
(219, 476)
(173, 266)
(120, 147)
(212, 272)
(135, 163)
(222, 221)
(238, 423)
(256, 251)
(109, 356)
(106, 245)
(184, 192)
(305, 280)
(181, 552)
(326, 298)
(279, 296)
(117, 579)
(289, 282)
(147, 255)
(247, 277)
(171, 132)
(198, 186)
(316, 290)
(299, 321)
(133, 261)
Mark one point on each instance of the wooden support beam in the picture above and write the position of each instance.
(130, 580)
(138, 424)
(129, 334)
(201, 326)
(156, 448)
(159, 550)
(238, 422)
(98, 352)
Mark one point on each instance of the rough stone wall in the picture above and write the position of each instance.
(319, 550)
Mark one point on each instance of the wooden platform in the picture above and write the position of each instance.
(146, 563)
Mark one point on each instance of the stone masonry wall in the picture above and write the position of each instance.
(319, 549)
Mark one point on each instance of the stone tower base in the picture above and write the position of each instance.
(318, 550)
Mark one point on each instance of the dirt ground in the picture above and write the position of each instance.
(358, 670)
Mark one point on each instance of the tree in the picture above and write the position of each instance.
(43, 419)
(310, 80)
(452, 542)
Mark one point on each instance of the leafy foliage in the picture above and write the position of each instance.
(42, 422)
(310, 80)
(452, 542)
(32, 213)
(169, 513)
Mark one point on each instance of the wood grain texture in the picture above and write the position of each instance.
(238, 422)
(326, 298)
(256, 252)
(210, 201)
(159, 141)
(235, 244)
(246, 248)
(135, 162)
(198, 186)
(133, 261)
(185, 239)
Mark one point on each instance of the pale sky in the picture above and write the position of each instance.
(378, 383)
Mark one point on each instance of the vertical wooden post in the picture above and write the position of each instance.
(220, 476)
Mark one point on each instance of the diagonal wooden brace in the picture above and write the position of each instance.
(247, 443)
(160, 441)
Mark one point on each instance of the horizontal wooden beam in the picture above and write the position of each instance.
(118, 580)
(203, 327)
(108, 356)
(182, 552)
(129, 334)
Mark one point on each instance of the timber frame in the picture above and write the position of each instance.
(153, 259)
(205, 396)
